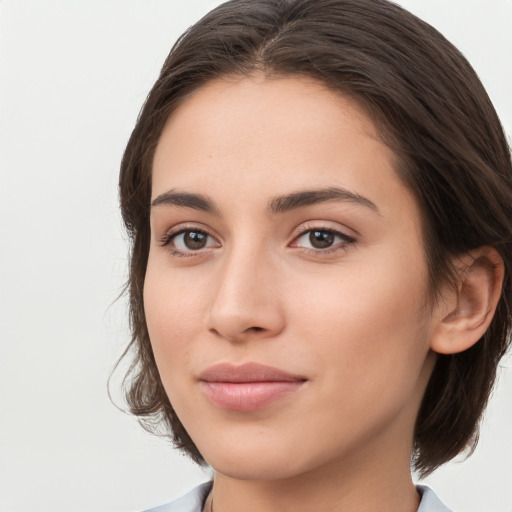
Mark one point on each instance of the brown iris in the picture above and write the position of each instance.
(194, 240)
(321, 239)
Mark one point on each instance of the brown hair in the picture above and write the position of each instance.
(430, 108)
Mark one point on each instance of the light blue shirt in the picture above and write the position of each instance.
(193, 501)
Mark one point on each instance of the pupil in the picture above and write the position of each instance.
(194, 240)
(321, 239)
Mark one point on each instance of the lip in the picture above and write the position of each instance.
(247, 387)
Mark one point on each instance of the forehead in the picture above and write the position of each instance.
(261, 137)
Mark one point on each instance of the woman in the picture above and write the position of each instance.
(319, 200)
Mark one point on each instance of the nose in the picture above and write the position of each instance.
(246, 304)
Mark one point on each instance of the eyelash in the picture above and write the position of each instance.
(169, 237)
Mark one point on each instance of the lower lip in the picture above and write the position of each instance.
(248, 396)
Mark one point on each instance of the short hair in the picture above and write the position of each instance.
(429, 107)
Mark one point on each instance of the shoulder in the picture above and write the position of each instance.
(190, 502)
(429, 500)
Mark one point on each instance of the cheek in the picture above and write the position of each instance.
(173, 311)
(367, 323)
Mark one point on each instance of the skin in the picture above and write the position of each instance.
(350, 318)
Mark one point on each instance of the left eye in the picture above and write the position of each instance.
(320, 239)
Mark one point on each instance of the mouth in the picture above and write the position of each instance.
(248, 387)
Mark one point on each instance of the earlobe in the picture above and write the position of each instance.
(468, 310)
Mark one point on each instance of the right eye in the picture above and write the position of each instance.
(187, 241)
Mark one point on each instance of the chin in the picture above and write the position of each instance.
(264, 461)
(255, 469)
(252, 461)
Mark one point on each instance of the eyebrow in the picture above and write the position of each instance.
(280, 204)
(185, 199)
(309, 197)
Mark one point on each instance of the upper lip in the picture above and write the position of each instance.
(248, 372)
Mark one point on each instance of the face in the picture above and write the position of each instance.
(286, 283)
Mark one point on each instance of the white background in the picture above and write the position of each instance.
(73, 76)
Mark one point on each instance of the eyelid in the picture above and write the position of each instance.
(323, 226)
(189, 226)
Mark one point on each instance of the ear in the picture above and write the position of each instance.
(465, 312)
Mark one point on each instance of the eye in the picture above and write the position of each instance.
(187, 241)
(322, 239)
